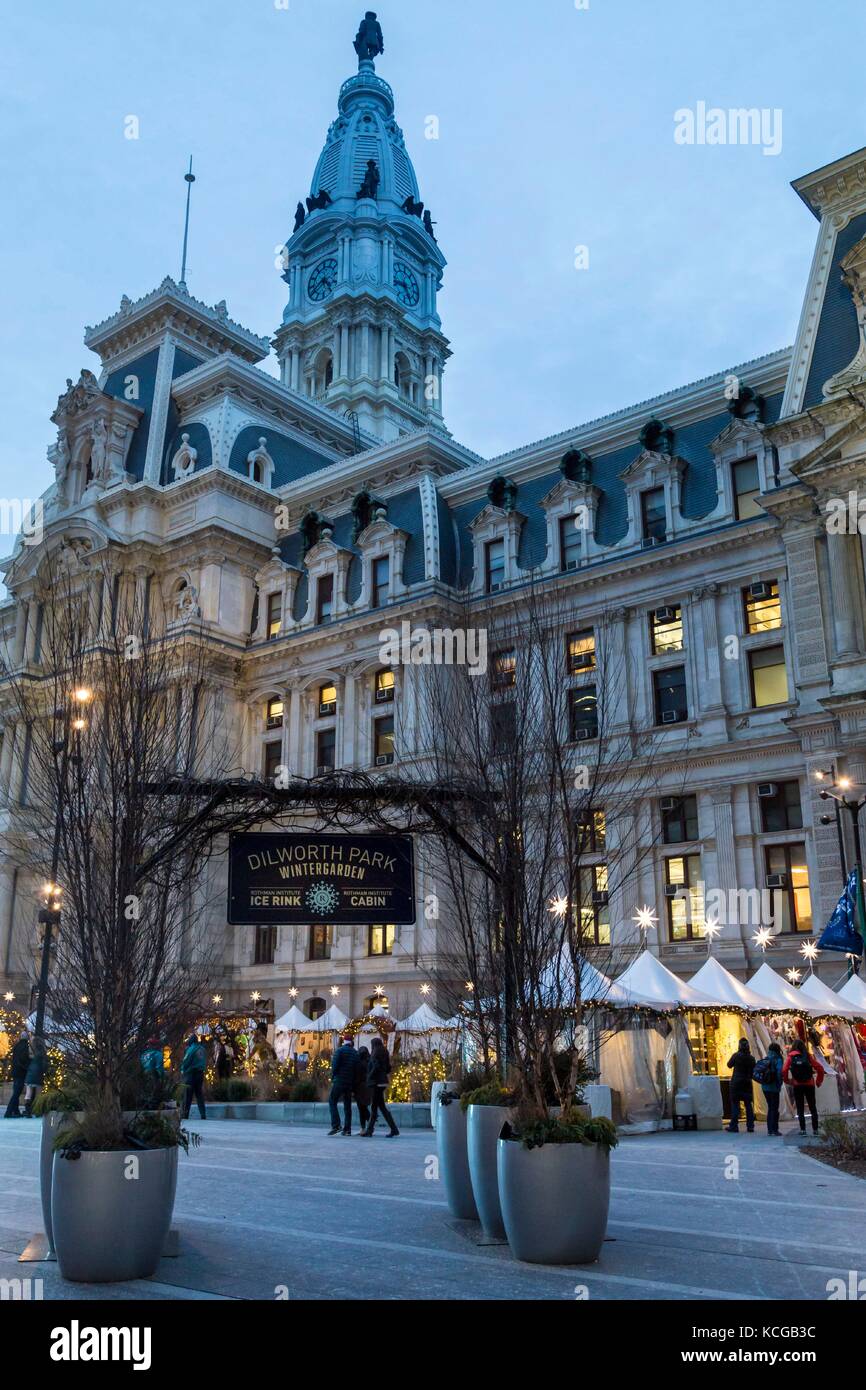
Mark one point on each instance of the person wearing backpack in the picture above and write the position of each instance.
(804, 1072)
(768, 1074)
(192, 1069)
(742, 1065)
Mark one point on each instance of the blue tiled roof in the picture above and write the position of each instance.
(838, 337)
(145, 369)
(199, 438)
(291, 459)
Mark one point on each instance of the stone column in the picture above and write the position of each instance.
(159, 411)
(7, 909)
(344, 349)
(726, 861)
(9, 735)
(613, 667)
(708, 695)
(841, 579)
(384, 364)
(20, 630)
(293, 735)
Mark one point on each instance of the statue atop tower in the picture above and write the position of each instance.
(368, 40)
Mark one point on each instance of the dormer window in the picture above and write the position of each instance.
(380, 581)
(747, 489)
(494, 565)
(325, 598)
(384, 686)
(569, 543)
(327, 700)
(653, 511)
(275, 615)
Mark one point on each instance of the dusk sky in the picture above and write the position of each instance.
(556, 130)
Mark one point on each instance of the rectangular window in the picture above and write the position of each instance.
(320, 942)
(792, 902)
(580, 648)
(593, 912)
(265, 945)
(503, 727)
(384, 687)
(654, 514)
(686, 910)
(780, 806)
(747, 489)
(275, 615)
(569, 543)
(383, 740)
(681, 823)
(591, 832)
(327, 700)
(380, 581)
(272, 759)
(274, 717)
(494, 565)
(380, 941)
(325, 599)
(326, 750)
(503, 669)
(582, 713)
(670, 695)
(769, 676)
(763, 606)
(666, 629)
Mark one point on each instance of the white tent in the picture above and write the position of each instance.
(594, 986)
(287, 1030)
(648, 982)
(781, 995)
(854, 992)
(331, 1021)
(727, 991)
(423, 1020)
(822, 995)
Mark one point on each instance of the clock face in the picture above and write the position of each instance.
(408, 290)
(322, 280)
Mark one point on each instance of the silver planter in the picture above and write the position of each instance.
(454, 1161)
(483, 1127)
(52, 1122)
(555, 1201)
(109, 1226)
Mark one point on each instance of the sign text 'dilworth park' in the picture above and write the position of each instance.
(302, 878)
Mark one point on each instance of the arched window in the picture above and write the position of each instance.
(315, 1007)
(373, 999)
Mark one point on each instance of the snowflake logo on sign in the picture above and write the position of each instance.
(322, 898)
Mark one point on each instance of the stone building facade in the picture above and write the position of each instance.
(297, 517)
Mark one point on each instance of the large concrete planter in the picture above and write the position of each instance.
(454, 1158)
(555, 1201)
(52, 1122)
(483, 1128)
(109, 1226)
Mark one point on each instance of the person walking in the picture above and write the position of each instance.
(192, 1070)
(35, 1075)
(361, 1087)
(803, 1070)
(342, 1081)
(378, 1074)
(768, 1074)
(20, 1062)
(742, 1065)
(153, 1066)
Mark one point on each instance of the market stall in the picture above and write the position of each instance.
(837, 1042)
(291, 1040)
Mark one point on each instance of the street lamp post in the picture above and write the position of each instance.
(50, 914)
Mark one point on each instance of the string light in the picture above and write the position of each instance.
(763, 937)
(82, 695)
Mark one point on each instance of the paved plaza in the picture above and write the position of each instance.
(264, 1209)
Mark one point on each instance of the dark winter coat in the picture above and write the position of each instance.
(742, 1065)
(36, 1069)
(772, 1083)
(152, 1061)
(379, 1069)
(20, 1059)
(194, 1059)
(360, 1089)
(817, 1070)
(343, 1066)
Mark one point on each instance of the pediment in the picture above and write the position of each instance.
(735, 434)
(650, 466)
(378, 530)
(566, 490)
(496, 516)
(323, 551)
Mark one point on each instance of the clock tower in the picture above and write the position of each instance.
(361, 332)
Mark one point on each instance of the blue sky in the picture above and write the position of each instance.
(556, 130)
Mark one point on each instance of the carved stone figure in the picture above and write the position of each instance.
(183, 462)
(76, 398)
(187, 603)
(428, 225)
(368, 40)
(300, 217)
(370, 187)
(414, 209)
(99, 451)
(61, 462)
(322, 199)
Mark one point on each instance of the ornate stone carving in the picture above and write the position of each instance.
(76, 398)
(183, 463)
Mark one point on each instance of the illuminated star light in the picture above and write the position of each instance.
(646, 918)
(809, 950)
(763, 937)
(335, 990)
(425, 989)
(559, 906)
(380, 989)
(470, 986)
(217, 999)
(255, 996)
(794, 975)
(293, 993)
(712, 928)
(8, 996)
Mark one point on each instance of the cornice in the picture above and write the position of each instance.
(171, 305)
(835, 188)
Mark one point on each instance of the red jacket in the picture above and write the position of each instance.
(818, 1072)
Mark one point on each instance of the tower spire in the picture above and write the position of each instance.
(189, 178)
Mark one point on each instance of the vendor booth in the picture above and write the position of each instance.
(834, 1038)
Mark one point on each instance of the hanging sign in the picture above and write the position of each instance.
(286, 878)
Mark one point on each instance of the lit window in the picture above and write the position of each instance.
(380, 941)
(275, 615)
(569, 543)
(326, 750)
(769, 676)
(763, 607)
(325, 598)
(384, 686)
(591, 832)
(654, 514)
(380, 576)
(383, 740)
(583, 713)
(780, 806)
(593, 912)
(670, 695)
(274, 719)
(581, 650)
(792, 902)
(686, 910)
(747, 489)
(327, 699)
(504, 669)
(680, 823)
(494, 565)
(666, 626)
